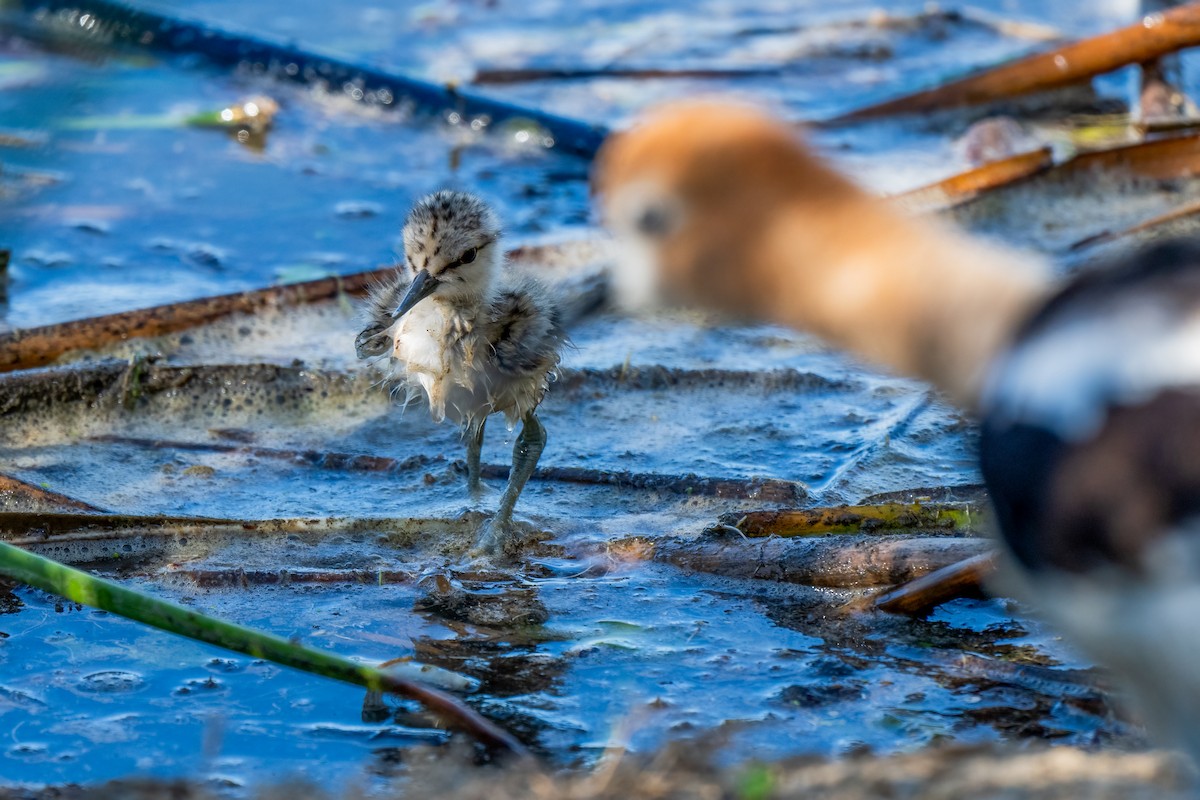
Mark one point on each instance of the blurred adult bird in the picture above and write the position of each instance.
(1088, 393)
(721, 205)
(474, 339)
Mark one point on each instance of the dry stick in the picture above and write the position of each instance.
(1159, 159)
(765, 489)
(46, 526)
(509, 75)
(1021, 29)
(919, 597)
(80, 587)
(25, 491)
(1150, 38)
(1171, 125)
(655, 377)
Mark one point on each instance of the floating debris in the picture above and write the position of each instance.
(357, 209)
(256, 115)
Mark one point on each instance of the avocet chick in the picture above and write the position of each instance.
(474, 339)
(1089, 393)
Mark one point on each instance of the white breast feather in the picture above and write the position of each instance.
(424, 359)
(1066, 377)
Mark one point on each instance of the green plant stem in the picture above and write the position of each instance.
(80, 587)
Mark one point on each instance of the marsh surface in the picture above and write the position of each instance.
(119, 205)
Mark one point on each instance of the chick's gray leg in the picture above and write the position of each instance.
(474, 447)
(526, 452)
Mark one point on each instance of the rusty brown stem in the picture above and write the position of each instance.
(37, 347)
(54, 523)
(964, 186)
(1151, 37)
(1160, 159)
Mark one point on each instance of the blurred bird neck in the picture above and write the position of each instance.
(909, 295)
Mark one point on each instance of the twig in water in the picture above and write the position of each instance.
(926, 593)
(964, 186)
(765, 489)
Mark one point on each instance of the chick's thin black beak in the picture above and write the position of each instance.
(422, 286)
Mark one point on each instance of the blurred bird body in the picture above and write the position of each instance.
(1090, 447)
(475, 341)
(1088, 393)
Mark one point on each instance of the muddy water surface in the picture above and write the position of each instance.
(587, 643)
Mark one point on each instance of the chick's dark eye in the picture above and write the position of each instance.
(469, 256)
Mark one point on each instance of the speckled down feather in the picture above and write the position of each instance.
(497, 358)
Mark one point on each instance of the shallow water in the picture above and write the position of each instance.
(140, 209)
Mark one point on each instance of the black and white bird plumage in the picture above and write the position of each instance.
(1090, 447)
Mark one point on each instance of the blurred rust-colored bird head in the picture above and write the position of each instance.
(697, 191)
(722, 206)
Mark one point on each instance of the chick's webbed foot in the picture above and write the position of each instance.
(495, 537)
